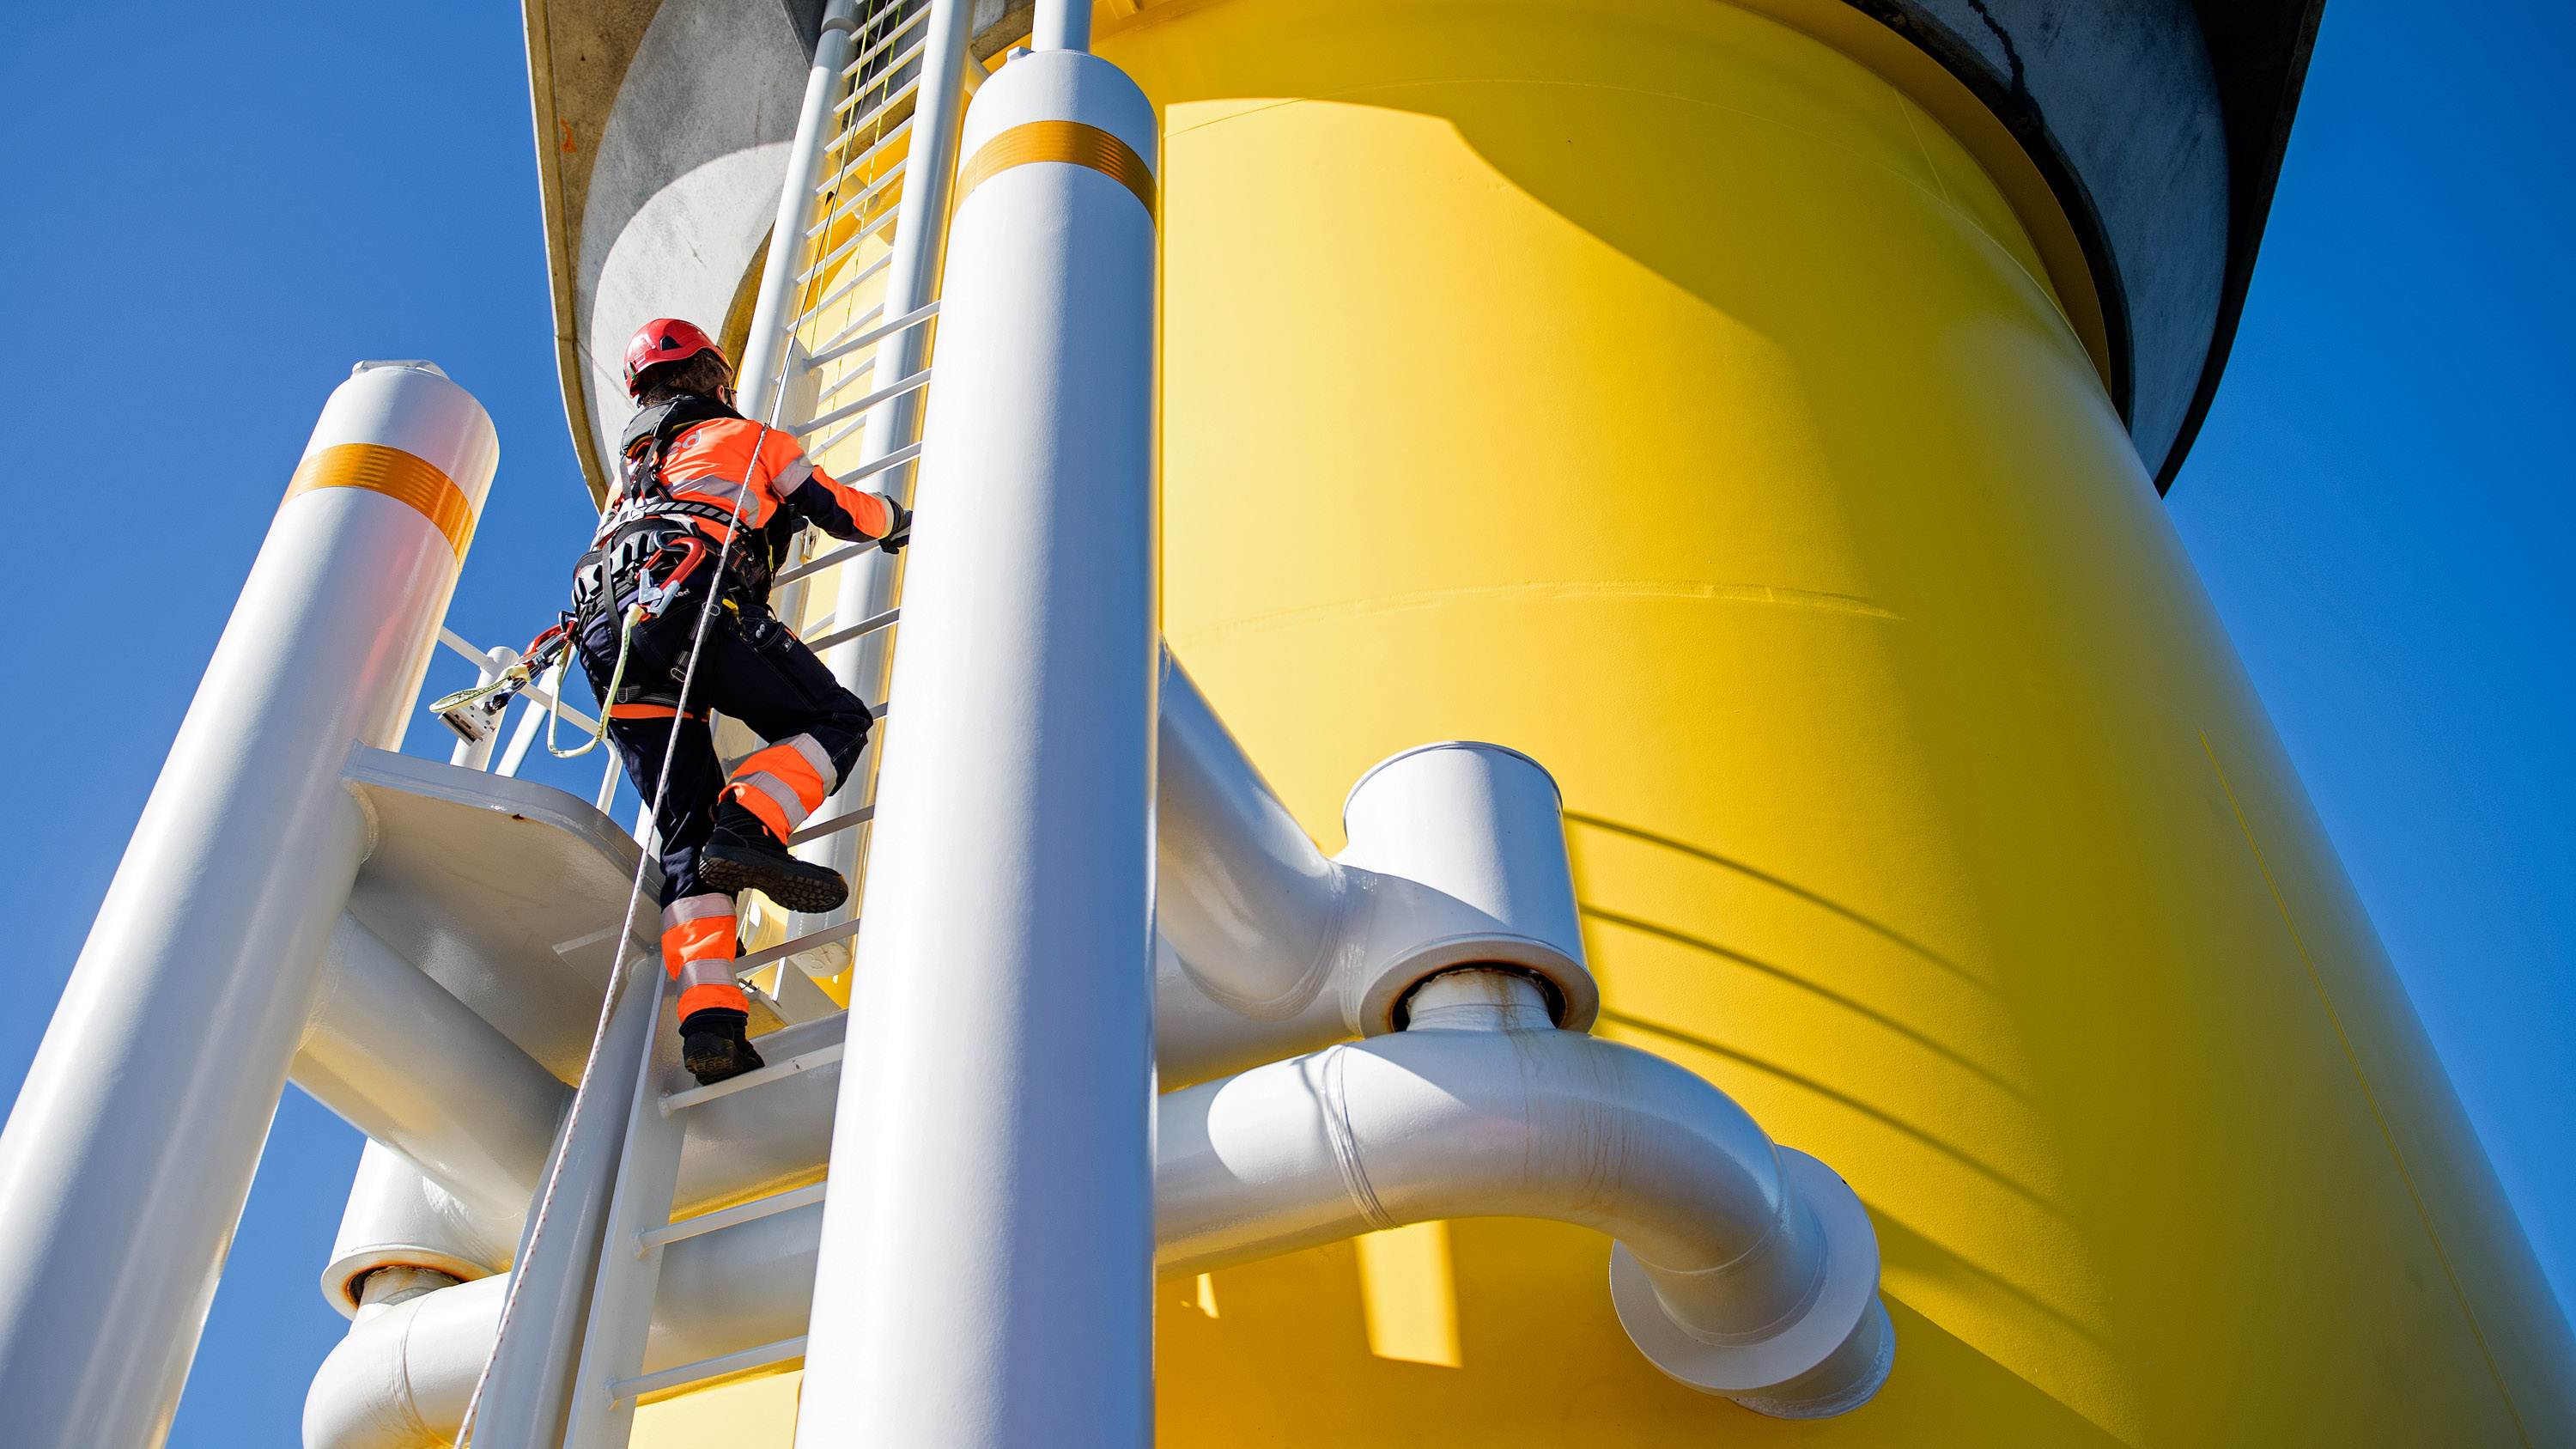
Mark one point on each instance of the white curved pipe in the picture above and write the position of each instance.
(398, 1217)
(1252, 910)
(1759, 1269)
(401, 1378)
(1741, 1268)
(402, 1060)
(1267, 949)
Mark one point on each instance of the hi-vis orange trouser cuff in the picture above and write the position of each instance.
(785, 783)
(697, 949)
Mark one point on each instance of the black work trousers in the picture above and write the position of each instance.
(751, 669)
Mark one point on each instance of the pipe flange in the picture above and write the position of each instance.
(340, 1280)
(1574, 998)
(1744, 1371)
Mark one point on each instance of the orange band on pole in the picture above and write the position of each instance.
(1068, 141)
(396, 474)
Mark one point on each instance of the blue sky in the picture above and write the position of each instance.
(2380, 503)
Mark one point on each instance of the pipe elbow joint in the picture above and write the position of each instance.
(1827, 1354)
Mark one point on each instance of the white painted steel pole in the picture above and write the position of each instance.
(1061, 25)
(756, 375)
(867, 582)
(131, 1149)
(988, 1283)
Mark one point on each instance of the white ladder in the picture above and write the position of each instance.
(875, 77)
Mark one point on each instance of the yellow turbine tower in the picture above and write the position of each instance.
(1758, 413)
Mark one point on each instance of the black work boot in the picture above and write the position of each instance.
(714, 1045)
(742, 855)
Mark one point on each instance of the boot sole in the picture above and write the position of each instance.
(810, 890)
(723, 1067)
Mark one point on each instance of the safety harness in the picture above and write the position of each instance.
(647, 547)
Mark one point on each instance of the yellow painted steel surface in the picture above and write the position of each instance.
(1648, 386)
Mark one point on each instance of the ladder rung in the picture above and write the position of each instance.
(624, 1390)
(861, 320)
(832, 183)
(864, 627)
(784, 949)
(835, 825)
(811, 567)
(750, 1212)
(730, 1087)
(870, 114)
(849, 430)
(887, 393)
(875, 335)
(848, 285)
(858, 203)
(884, 73)
(881, 42)
(865, 367)
(871, 229)
(895, 459)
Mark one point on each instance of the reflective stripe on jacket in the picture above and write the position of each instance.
(710, 462)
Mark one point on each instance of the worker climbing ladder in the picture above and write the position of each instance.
(863, 211)
(1030, 977)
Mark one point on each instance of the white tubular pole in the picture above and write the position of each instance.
(990, 1284)
(1061, 25)
(756, 375)
(131, 1149)
(912, 279)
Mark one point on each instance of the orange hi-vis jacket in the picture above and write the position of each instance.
(737, 465)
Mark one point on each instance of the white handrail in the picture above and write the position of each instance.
(537, 693)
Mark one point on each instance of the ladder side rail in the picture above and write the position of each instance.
(529, 1391)
(868, 581)
(775, 301)
(630, 1265)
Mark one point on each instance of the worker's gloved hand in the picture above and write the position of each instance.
(901, 534)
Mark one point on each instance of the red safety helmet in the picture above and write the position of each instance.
(666, 339)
